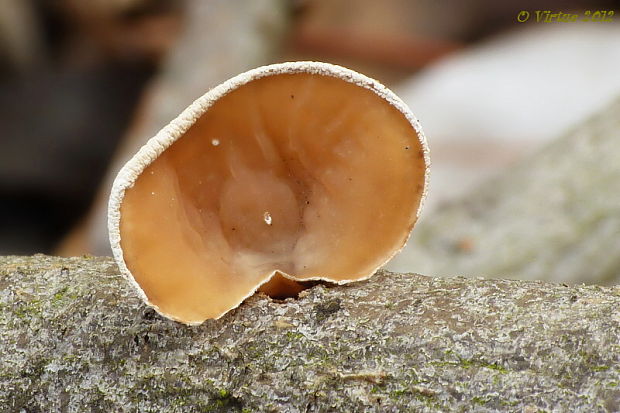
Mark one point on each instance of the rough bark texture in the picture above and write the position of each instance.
(75, 338)
(553, 217)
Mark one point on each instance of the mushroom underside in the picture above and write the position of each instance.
(305, 175)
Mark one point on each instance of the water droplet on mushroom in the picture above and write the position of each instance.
(267, 218)
(152, 193)
(215, 142)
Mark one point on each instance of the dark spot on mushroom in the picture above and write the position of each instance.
(406, 147)
(292, 96)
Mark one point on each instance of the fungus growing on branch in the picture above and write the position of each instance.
(287, 173)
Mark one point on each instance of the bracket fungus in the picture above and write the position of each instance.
(287, 173)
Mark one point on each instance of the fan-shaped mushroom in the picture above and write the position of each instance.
(283, 174)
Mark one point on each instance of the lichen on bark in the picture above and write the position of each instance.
(75, 337)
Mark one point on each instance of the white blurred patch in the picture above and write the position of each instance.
(487, 106)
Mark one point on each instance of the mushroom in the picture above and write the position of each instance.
(284, 174)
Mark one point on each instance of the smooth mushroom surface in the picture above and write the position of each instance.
(291, 176)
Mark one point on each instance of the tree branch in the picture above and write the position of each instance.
(76, 338)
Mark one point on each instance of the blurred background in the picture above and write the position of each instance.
(84, 83)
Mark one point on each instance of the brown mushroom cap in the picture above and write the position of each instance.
(287, 173)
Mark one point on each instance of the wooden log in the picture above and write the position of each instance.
(74, 337)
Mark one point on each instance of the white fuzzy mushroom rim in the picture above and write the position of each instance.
(177, 128)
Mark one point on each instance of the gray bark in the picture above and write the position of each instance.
(75, 338)
(553, 217)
